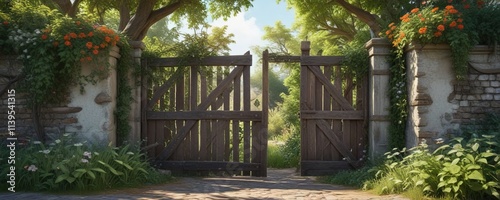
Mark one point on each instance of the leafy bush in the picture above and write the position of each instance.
(459, 170)
(67, 166)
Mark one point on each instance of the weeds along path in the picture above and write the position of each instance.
(280, 184)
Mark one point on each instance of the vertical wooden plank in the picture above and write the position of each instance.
(236, 123)
(246, 124)
(256, 146)
(226, 131)
(311, 124)
(337, 124)
(318, 105)
(193, 104)
(172, 123)
(323, 143)
(204, 126)
(265, 116)
(220, 123)
(179, 106)
(151, 139)
(159, 136)
(305, 48)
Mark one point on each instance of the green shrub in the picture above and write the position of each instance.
(68, 166)
(275, 158)
(459, 170)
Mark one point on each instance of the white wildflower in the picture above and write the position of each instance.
(78, 144)
(37, 142)
(83, 160)
(32, 168)
(58, 141)
(439, 140)
(87, 154)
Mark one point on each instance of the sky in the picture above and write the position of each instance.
(248, 26)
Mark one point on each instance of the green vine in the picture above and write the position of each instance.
(125, 66)
(398, 95)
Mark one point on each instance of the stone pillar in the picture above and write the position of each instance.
(135, 112)
(96, 105)
(378, 127)
(430, 93)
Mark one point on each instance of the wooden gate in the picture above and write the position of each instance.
(200, 115)
(333, 113)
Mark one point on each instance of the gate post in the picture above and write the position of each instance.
(135, 112)
(379, 104)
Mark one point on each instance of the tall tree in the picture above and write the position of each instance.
(137, 16)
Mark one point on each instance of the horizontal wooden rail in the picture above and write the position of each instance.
(206, 165)
(206, 115)
(321, 60)
(244, 60)
(352, 115)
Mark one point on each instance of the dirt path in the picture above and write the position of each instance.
(280, 184)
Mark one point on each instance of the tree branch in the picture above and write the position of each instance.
(362, 15)
(67, 7)
(145, 17)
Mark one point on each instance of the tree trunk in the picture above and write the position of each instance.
(138, 26)
(67, 7)
(362, 15)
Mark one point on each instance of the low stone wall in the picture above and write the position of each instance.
(88, 115)
(439, 105)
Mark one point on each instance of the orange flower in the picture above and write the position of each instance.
(89, 58)
(435, 9)
(78, 23)
(5, 23)
(422, 19)
(453, 11)
(66, 37)
(89, 45)
(96, 47)
(460, 20)
(90, 34)
(107, 39)
(422, 30)
(414, 10)
(440, 27)
(102, 45)
(405, 18)
(67, 43)
(402, 34)
(453, 24)
(72, 35)
(467, 6)
(117, 38)
(95, 51)
(82, 35)
(438, 34)
(449, 7)
(460, 26)
(388, 32)
(391, 24)
(56, 43)
(44, 37)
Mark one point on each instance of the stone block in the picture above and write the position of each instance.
(487, 97)
(464, 103)
(495, 104)
(422, 99)
(492, 77)
(497, 97)
(483, 77)
(427, 134)
(103, 98)
(485, 84)
(495, 83)
(489, 90)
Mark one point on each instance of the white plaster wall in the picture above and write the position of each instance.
(96, 122)
(429, 73)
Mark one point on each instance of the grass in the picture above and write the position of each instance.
(275, 158)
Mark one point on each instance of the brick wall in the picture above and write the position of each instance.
(476, 96)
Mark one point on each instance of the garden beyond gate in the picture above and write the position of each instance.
(197, 115)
